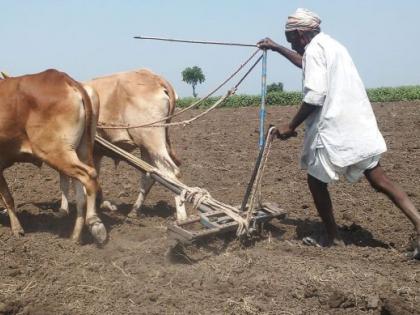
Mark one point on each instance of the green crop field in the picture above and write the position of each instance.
(383, 94)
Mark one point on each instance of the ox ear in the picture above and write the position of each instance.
(4, 75)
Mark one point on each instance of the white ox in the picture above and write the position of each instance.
(131, 99)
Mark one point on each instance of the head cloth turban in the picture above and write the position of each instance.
(303, 20)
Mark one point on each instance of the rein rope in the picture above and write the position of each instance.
(229, 93)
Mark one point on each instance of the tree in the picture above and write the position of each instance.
(275, 87)
(193, 76)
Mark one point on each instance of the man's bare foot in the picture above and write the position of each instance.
(323, 241)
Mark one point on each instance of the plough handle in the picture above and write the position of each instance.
(271, 130)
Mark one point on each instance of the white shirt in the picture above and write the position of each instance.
(344, 124)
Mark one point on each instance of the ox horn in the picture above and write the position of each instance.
(4, 75)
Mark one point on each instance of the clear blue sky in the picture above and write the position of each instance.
(92, 38)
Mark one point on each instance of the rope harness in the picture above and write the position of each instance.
(196, 196)
(229, 93)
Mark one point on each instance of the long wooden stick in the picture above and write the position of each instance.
(195, 41)
(263, 97)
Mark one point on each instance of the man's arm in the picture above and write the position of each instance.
(288, 130)
(292, 56)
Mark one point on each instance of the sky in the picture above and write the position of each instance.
(88, 39)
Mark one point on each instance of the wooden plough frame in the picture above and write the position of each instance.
(209, 220)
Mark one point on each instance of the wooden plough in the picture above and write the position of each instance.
(214, 217)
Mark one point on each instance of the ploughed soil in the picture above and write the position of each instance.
(139, 271)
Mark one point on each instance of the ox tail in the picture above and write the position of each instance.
(90, 100)
(172, 102)
(4, 75)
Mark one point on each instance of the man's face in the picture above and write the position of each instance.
(296, 39)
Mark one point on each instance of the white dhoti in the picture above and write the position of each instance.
(324, 170)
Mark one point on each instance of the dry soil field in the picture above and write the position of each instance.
(134, 273)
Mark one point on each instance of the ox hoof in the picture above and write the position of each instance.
(107, 205)
(18, 232)
(134, 214)
(62, 213)
(76, 239)
(98, 231)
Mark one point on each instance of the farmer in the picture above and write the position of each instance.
(341, 136)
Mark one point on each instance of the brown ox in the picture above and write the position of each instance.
(135, 98)
(48, 117)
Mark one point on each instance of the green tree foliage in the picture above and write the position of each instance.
(275, 87)
(193, 76)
